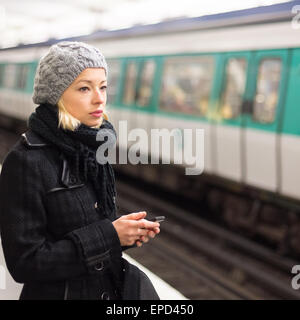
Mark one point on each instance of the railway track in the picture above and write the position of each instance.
(205, 261)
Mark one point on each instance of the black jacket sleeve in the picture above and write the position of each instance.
(29, 253)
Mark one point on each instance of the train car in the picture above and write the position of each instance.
(236, 76)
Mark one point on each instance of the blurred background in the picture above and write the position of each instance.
(229, 68)
(32, 21)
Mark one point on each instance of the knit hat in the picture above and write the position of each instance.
(60, 66)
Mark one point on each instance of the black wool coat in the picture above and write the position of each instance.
(55, 239)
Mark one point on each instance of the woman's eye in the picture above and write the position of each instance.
(84, 89)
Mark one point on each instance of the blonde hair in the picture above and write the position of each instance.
(67, 121)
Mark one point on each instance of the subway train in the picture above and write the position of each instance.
(236, 75)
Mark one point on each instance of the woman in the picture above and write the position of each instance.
(59, 231)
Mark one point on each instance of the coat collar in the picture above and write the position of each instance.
(32, 140)
(68, 181)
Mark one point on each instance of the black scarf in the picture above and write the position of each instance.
(79, 147)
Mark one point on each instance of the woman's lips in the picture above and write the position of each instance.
(97, 113)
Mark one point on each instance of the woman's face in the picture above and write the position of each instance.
(85, 98)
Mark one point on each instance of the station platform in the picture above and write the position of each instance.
(10, 290)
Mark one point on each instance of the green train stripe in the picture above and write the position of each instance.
(287, 111)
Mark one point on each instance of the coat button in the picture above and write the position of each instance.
(73, 180)
(99, 267)
(104, 296)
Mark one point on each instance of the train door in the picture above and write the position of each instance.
(290, 134)
(228, 120)
(128, 96)
(262, 114)
(137, 104)
(186, 94)
(113, 109)
(144, 101)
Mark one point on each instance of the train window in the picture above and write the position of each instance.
(186, 85)
(234, 87)
(10, 76)
(130, 84)
(22, 76)
(113, 77)
(267, 87)
(145, 90)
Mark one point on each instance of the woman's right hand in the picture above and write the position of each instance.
(131, 227)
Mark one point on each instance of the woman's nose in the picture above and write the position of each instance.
(99, 96)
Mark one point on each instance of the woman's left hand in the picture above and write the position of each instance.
(151, 234)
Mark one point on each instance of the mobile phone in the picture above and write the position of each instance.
(158, 219)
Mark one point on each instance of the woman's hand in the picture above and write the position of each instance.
(133, 228)
(151, 234)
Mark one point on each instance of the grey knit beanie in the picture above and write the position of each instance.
(60, 66)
